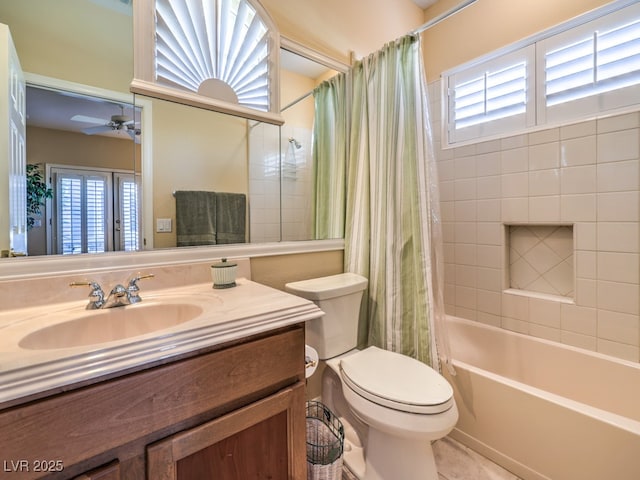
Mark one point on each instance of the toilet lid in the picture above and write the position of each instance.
(396, 381)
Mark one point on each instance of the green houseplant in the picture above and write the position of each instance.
(37, 193)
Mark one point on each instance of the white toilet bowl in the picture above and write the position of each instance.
(403, 405)
(392, 406)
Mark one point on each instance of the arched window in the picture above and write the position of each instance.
(217, 54)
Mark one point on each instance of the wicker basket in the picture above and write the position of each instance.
(325, 443)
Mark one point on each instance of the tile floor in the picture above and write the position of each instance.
(457, 462)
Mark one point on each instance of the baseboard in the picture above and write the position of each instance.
(494, 455)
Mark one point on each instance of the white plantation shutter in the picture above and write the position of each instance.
(587, 67)
(127, 215)
(592, 68)
(83, 203)
(492, 97)
(96, 214)
(96, 211)
(224, 40)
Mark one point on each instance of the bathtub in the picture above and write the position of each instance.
(544, 410)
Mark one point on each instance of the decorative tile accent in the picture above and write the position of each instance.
(541, 259)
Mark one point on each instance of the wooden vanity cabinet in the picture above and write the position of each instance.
(108, 472)
(233, 412)
(254, 442)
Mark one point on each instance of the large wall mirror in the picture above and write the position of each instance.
(79, 62)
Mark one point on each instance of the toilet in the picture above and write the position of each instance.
(392, 406)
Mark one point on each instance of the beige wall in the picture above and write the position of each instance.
(79, 41)
(293, 86)
(488, 25)
(278, 270)
(338, 27)
(48, 146)
(194, 150)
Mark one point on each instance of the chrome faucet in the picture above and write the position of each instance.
(96, 295)
(133, 288)
(118, 297)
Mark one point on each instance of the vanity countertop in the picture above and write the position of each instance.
(225, 315)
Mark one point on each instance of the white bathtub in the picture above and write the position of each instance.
(544, 410)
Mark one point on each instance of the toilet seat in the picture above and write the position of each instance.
(396, 381)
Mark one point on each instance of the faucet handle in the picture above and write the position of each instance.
(133, 287)
(96, 295)
(134, 280)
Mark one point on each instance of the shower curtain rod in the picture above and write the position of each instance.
(420, 29)
(297, 100)
(443, 16)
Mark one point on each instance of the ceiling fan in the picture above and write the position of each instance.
(117, 123)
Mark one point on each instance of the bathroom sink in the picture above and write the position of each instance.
(101, 326)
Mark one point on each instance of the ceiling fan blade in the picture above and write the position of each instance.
(134, 133)
(86, 119)
(135, 136)
(94, 130)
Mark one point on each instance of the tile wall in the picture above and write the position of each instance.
(268, 222)
(541, 259)
(264, 183)
(585, 175)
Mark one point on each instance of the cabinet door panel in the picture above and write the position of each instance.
(109, 472)
(259, 452)
(264, 440)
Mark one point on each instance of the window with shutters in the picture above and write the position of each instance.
(591, 69)
(493, 97)
(215, 54)
(94, 211)
(587, 67)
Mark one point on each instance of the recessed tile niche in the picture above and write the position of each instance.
(541, 259)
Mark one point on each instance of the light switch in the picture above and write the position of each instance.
(163, 225)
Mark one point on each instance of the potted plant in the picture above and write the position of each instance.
(37, 193)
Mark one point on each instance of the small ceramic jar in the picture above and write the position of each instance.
(223, 274)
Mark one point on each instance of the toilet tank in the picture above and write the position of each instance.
(338, 296)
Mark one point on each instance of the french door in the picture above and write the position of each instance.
(93, 211)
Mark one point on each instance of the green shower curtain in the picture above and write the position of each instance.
(392, 217)
(329, 158)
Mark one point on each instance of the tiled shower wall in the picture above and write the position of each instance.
(280, 185)
(586, 175)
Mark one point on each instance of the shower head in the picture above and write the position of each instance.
(295, 143)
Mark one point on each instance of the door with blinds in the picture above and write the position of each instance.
(93, 211)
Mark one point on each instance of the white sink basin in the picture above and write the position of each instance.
(101, 326)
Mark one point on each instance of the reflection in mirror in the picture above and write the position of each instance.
(271, 165)
(281, 168)
(60, 42)
(194, 150)
(89, 44)
(86, 147)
